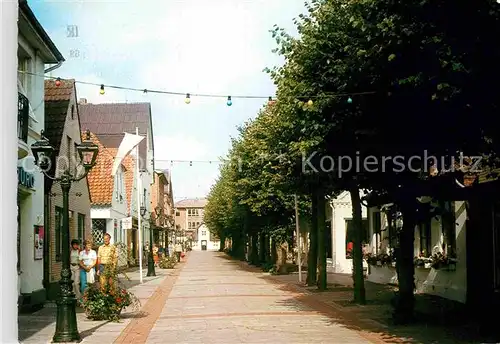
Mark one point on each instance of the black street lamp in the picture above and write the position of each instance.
(151, 261)
(66, 324)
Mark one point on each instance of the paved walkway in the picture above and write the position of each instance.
(214, 300)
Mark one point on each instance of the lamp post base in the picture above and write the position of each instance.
(66, 325)
(151, 267)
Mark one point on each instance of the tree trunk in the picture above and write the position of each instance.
(273, 253)
(262, 247)
(254, 250)
(357, 259)
(321, 219)
(312, 257)
(281, 261)
(222, 246)
(405, 301)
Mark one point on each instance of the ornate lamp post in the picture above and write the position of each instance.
(66, 324)
(151, 261)
(142, 214)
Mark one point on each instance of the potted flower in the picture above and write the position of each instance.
(167, 262)
(107, 302)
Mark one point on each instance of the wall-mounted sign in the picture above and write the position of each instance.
(24, 178)
(127, 223)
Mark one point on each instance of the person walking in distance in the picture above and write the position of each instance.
(107, 259)
(75, 267)
(178, 251)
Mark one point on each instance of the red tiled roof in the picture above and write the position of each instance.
(57, 100)
(62, 92)
(101, 182)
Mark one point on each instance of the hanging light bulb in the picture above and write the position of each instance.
(58, 82)
(229, 101)
(190, 163)
(270, 100)
(310, 102)
(101, 91)
(145, 91)
(349, 100)
(188, 99)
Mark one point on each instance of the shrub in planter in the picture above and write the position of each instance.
(107, 302)
(167, 262)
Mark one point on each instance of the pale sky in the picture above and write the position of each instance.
(188, 46)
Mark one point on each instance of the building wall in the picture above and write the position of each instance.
(338, 212)
(118, 208)
(181, 219)
(31, 208)
(448, 284)
(203, 234)
(79, 198)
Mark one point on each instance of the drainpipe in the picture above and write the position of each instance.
(46, 243)
(334, 248)
(54, 67)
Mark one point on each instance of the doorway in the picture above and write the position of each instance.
(203, 245)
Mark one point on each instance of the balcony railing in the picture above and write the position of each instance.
(23, 115)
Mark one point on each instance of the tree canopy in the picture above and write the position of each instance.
(364, 80)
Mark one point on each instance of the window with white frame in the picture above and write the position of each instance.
(24, 67)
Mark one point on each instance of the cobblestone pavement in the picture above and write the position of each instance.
(374, 318)
(215, 300)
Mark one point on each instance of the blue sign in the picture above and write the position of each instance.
(24, 178)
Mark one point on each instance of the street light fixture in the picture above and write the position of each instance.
(66, 324)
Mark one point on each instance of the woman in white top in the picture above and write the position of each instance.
(88, 259)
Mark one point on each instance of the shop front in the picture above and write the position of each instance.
(30, 239)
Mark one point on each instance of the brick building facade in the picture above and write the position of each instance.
(62, 128)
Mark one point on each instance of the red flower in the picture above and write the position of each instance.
(124, 292)
(118, 300)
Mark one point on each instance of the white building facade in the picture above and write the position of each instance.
(35, 51)
(205, 240)
(437, 236)
(339, 214)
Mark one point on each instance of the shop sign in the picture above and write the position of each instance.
(24, 178)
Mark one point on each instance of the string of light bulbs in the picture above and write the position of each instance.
(187, 99)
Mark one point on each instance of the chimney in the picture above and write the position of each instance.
(83, 101)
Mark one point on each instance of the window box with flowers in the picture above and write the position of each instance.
(381, 259)
(422, 262)
(107, 302)
(440, 261)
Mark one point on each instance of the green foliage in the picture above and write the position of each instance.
(167, 262)
(420, 81)
(107, 302)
